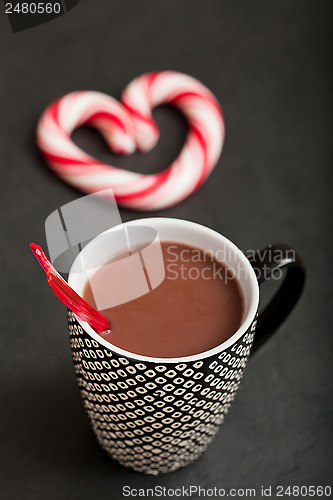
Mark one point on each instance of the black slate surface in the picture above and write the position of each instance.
(269, 64)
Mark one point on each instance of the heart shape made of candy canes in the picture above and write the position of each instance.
(128, 125)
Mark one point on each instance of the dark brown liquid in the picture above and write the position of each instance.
(197, 307)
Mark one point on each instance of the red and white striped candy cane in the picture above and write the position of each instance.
(129, 125)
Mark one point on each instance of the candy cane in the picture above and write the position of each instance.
(129, 125)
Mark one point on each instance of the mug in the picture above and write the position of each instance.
(158, 414)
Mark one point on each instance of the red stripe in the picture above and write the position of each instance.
(108, 116)
(63, 161)
(61, 165)
(195, 131)
(158, 180)
(151, 77)
(54, 111)
(184, 95)
(137, 114)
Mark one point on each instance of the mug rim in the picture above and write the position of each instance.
(246, 323)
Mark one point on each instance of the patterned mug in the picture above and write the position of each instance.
(158, 414)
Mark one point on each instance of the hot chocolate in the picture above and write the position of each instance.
(198, 306)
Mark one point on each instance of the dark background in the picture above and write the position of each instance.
(268, 63)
